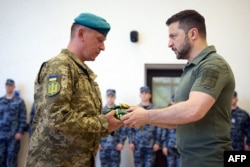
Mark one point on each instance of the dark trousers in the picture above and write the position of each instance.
(160, 159)
(144, 157)
(110, 157)
(9, 149)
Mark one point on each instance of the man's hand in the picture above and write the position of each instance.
(247, 147)
(136, 117)
(165, 151)
(119, 146)
(18, 136)
(100, 147)
(112, 121)
(120, 110)
(156, 147)
(131, 146)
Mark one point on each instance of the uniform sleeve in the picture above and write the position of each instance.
(32, 114)
(212, 78)
(63, 97)
(102, 140)
(171, 138)
(164, 137)
(247, 129)
(77, 123)
(158, 135)
(131, 135)
(22, 117)
(122, 135)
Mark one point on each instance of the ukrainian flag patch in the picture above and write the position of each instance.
(53, 86)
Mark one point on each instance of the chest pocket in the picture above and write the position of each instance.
(90, 93)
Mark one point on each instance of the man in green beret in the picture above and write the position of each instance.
(68, 123)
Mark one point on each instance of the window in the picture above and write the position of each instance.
(163, 80)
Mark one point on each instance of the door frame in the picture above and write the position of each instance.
(152, 70)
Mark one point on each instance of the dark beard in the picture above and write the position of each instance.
(184, 50)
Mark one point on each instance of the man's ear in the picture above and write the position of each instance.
(80, 33)
(193, 33)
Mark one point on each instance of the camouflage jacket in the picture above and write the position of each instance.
(169, 138)
(12, 117)
(240, 129)
(68, 123)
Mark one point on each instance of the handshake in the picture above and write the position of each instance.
(120, 110)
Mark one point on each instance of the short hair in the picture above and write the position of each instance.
(189, 19)
(235, 94)
(73, 30)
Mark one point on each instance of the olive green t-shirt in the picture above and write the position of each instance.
(202, 143)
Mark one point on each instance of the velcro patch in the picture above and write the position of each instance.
(209, 78)
(53, 86)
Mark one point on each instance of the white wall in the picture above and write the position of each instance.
(33, 31)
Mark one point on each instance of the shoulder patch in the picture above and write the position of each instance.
(209, 78)
(53, 86)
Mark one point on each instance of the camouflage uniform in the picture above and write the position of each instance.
(169, 141)
(144, 139)
(32, 114)
(68, 123)
(240, 129)
(12, 121)
(109, 155)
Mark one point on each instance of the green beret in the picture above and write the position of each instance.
(94, 22)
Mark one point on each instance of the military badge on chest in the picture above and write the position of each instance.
(53, 86)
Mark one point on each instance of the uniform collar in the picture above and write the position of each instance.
(202, 55)
(82, 64)
(147, 107)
